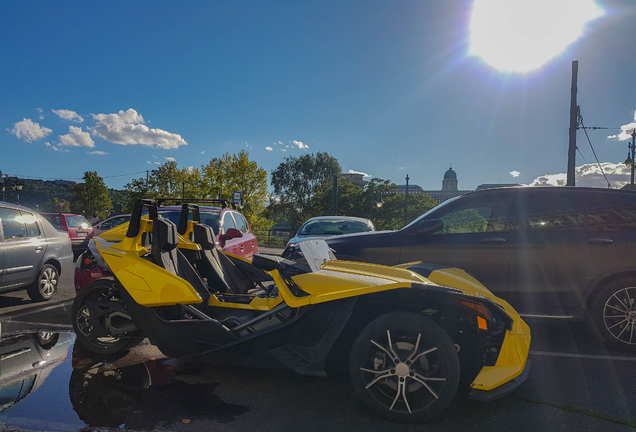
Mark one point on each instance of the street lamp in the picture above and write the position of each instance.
(631, 148)
(17, 188)
(375, 202)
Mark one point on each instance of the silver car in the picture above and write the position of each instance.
(327, 226)
(33, 254)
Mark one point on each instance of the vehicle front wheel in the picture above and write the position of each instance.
(613, 310)
(404, 367)
(45, 285)
(96, 312)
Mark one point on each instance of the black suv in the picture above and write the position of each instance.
(554, 252)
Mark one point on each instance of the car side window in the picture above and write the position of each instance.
(55, 221)
(554, 212)
(612, 214)
(476, 218)
(109, 224)
(12, 223)
(228, 222)
(31, 223)
(241, 224)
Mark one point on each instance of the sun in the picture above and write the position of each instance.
(523, 35)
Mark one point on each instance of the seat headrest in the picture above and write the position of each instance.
(164, 235)
(204, 235)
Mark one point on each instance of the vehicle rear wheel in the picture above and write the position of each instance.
(97, 310)
(613, 310)
(45, 285)
(404, 367)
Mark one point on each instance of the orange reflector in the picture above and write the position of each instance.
(481, 323)
(477, 307)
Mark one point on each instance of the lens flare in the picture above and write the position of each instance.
(522, 35)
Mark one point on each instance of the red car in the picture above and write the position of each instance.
(78, 228)
(233, 233)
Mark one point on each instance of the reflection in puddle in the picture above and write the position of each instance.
(135, 390)
(142, 395)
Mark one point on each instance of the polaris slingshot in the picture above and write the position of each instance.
(409, 335)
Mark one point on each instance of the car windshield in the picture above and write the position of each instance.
(77, 221)
(207, 218)
(431, 210)
(55, 221)
(333, 227)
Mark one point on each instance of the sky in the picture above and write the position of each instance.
(389, 88)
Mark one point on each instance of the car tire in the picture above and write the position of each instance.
(47, 340)
(613, 310)
(404, 367)
(45, 285)
(85, 328)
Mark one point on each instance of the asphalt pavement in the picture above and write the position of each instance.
(575, 383)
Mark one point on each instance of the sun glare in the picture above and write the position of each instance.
(522, 35)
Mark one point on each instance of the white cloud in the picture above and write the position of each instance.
(269, 148)
(29, 131)
(97, 152)
(589, 175)
(58, 149)
(203, 152)
(359, 172)
(153, 163)
(170, 159)
(191, 169)
(68, 115)
(77, 137)
(515, 173)
(300, 144)
(283, 150)
(281, 143)
(41, 113)
(127, 127)
(626, 131)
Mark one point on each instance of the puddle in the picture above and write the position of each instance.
(49, 382)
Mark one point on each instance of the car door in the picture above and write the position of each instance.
(23, 245)
(567, 239)
(248, 241)
(477, 236)
(230, 245)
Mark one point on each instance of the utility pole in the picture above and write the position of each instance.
(574, 113)
(406, 202)
(147, 176)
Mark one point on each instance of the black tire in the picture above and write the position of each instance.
(416, 385)
(45, 286)
(103, 289)
(47, 340)
(613, 310)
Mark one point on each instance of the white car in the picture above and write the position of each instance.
(327, 226)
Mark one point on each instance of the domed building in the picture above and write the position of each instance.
(449, 188)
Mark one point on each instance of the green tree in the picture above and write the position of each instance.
(391, 215)
(53, 205)
(296, 182)
(91, 197)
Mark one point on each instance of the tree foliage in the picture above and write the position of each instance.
(91, 197)
(217, 179)
(297, 181)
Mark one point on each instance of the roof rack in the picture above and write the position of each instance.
(180, 201)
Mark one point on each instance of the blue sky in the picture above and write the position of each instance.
(387, 87)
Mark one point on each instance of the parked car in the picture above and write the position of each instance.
(33, 253)
(109, 223)
(27, 361)
(552, 252)
(78, 228)
(327, 226)
(233, 233)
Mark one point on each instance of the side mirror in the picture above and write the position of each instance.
(428, 227)
(233, 233)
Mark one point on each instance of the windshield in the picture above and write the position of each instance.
(333, 227)
(77, 221)
(432, 210)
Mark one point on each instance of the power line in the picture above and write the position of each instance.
(71, 178)
(592, 147)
